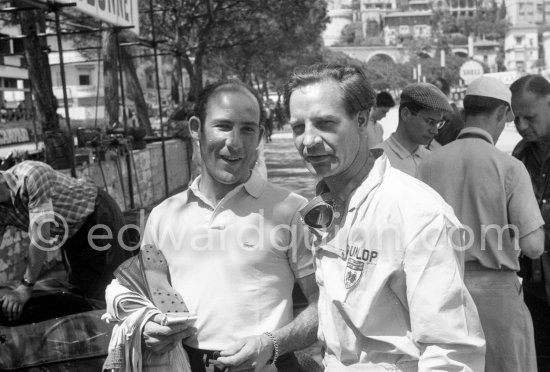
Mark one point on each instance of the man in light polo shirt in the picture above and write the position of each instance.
(492, 196)
(420, 117)
(233, 247)
(391, 291)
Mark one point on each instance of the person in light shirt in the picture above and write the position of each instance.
(391, 290)
(374, 130)
(491, 194)
(234, 248)
(421, 112)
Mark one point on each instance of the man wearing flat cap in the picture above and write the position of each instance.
(420, 117)
(492, 196)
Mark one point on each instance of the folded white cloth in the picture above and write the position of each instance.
(130, 311)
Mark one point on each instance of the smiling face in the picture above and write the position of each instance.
(229, 137)
(325, 135)
(532, 116)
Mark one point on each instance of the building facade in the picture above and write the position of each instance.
(521, 47)
(15, 91)
(528, 11)
(340, 14)
(413, 24)
(85, 88)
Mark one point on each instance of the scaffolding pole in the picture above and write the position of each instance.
(124, 119)
(159, 97)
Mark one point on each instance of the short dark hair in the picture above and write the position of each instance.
(443, 84)
(208, 91)
(481, 105)
(413, 107)
(536, 84)
(357, 93)
(384, 99)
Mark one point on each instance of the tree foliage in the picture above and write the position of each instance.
(382, 73)
(244, 37)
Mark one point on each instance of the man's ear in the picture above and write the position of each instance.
(404, 113)
(195, 126)
(363, 118)
(501, 112)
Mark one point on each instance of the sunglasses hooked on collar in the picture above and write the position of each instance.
(319, 212)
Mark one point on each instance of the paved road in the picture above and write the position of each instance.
(285, 167)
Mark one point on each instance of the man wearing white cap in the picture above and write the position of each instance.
(492, 196)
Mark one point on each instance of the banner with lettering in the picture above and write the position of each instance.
(114, 12)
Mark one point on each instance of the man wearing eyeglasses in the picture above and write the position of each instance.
(420, 117)
(391, 289)
(492, 196)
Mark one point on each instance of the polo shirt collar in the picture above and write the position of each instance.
(478, 132)
(401, 151)
(254, 186)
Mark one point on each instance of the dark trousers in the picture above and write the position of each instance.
(200, 360)
(90, 264)
(540, 312)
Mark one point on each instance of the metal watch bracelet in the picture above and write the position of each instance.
(275, 346)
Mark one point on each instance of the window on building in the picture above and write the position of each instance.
(84, 78)
(149, 80)
(485, 59)
(519, 40)
(10, 83)
(404, 30)
(531, 42)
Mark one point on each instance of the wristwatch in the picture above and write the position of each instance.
(26, 283)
